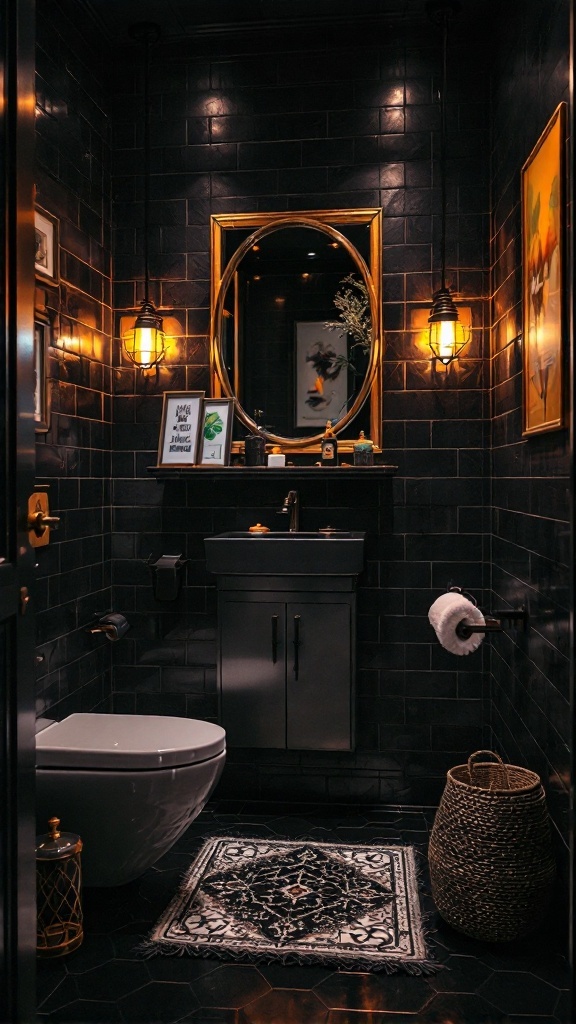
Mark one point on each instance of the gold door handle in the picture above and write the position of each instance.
(39, 522)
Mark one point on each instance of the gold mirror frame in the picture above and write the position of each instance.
(222, 275)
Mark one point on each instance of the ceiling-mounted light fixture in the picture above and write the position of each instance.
(447, 336)
(144, 344)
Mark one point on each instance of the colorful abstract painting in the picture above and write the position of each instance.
(543, 297)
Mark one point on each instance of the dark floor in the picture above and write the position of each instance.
(107, 980)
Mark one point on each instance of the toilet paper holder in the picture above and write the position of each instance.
(497, 621)
(167, 575)
(112, 624)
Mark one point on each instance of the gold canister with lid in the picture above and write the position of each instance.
(58, 892)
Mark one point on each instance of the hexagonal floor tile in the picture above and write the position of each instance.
(462, 974)
(294, 975)
(92, 1010)
(460, 1009)
(112, 981)
(519, 992)
(230, 986)
(287, 1006)
(395, 992)
(164, 1001)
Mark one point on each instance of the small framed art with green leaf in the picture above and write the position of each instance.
(217, 418)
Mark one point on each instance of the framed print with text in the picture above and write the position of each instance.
(180, 428)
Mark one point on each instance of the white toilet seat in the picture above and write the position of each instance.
(127, 742)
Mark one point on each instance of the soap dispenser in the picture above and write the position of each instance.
(255, 445)
(329, 446)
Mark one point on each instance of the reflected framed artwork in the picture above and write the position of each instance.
(180, 428)
(321, 376)
(216, 431)
(46, 246)
(543, 298)
(42, 333)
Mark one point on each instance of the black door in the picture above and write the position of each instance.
(17, 861)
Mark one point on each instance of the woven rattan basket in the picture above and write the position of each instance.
(490, 853)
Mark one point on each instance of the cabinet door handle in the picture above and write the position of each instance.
(296, 645)
(274, 621)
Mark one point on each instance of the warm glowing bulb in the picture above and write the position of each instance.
(446, 340)
(145, 346)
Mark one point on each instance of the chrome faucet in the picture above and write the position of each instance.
(291, 507)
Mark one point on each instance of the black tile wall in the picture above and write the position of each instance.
(73, 457)
(530, 675)
(319, 122)
(335, 125)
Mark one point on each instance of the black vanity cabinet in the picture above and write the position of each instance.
(286, 661)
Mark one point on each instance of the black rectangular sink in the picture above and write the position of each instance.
(338, 553)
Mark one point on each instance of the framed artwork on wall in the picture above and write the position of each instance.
(543, 297)
(320, 375)
(216, 431)
(46, 246)
(42, 333)
(180, 428)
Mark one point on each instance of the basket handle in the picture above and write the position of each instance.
(497, 758)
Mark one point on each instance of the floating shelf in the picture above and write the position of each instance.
(288, 473)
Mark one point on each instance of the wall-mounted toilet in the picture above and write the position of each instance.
(129, 785)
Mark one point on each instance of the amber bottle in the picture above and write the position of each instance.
(329, 447)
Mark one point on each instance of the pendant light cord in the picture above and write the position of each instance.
(146, 163)
(443, 145)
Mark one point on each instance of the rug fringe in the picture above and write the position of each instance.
(162, 947)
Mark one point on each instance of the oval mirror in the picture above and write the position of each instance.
(296, 323)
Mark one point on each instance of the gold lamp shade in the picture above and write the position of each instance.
(145, 343)
(447, 335)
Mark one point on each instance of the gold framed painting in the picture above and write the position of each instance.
(46, 231)
(543, 297)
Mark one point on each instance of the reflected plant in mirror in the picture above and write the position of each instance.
(354, 312)
(353, 302)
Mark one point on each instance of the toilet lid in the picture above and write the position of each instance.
(92, 740)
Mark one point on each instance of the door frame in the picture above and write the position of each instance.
(17, 762)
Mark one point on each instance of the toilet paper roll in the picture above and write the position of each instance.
(119, 625)
(447, 611)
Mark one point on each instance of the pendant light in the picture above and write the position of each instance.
(447, 336)
(144, 344)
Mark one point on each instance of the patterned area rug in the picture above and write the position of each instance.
(338, 904)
